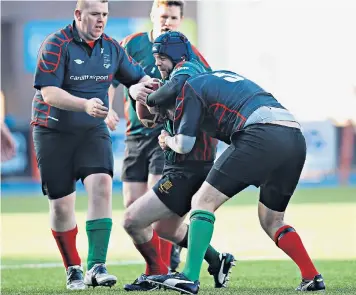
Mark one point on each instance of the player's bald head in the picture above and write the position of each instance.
(82, 4)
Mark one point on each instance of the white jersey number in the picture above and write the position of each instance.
(229, 77)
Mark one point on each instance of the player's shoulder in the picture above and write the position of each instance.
(198, 80)
(134, 39)
(190, 68)
(111, 41)
(59, 38)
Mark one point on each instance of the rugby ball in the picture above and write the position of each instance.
(146, 118)
(157, 84)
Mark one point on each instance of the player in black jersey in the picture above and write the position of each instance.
(169, 201)
(76, 66)
(267, 149)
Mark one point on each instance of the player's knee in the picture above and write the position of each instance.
(203, 202)
(129, 223)
(208, 198)
(101, 192)
(270, 219)
(62, 209)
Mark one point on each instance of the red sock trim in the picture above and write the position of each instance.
(166, 249)
(151, 253)
(292, 245)
(66, 242)
(279, 232)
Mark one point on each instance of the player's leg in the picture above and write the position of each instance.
(206, 199)
(134, 174)
(137, 221)
(220, 264)
(164, 245)
(168, 200)
(181, 187)
(275, 194)
(94, 166)
(155, 168)
(54, 153)
(223, 182)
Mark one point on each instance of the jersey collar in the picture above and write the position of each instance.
(77, 37)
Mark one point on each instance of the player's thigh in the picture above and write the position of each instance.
(135, 162)
(55, 153)
(208, 198)
(94, 154)
(144, 211)
(280, 184)
(253, 153)
(176, 189)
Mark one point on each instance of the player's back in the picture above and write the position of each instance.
(229, 99)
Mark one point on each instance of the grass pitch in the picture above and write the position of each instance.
(325, 219)
(248, 277)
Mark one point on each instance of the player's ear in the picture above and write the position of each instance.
(152, 16)
(78, 14)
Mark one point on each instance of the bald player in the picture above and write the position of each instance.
(76, 66)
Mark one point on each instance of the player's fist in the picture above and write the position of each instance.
(95, 107)
(112, 120)
(140, 91)
(162, 140)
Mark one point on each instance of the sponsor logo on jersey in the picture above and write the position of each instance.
(79, 61)
(97, 78)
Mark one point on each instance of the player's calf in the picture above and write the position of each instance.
(175, 257)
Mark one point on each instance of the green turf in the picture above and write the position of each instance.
(325, 195)
(248, 277)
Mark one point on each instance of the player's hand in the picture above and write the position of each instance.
(140, 91)
(162, 140)
(112, 120)
(8, 146)
(154, 110)
(95, 107)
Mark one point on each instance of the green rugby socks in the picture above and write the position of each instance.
(200, 233)
(98, 232)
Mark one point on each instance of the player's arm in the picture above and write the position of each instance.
(49, 77)
(61, 99)
(187, 119)
(181, 144)
(129, 72)
(167, 94)
(131, 75)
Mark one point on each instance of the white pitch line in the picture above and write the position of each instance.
(128, 262)
(55, 265)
